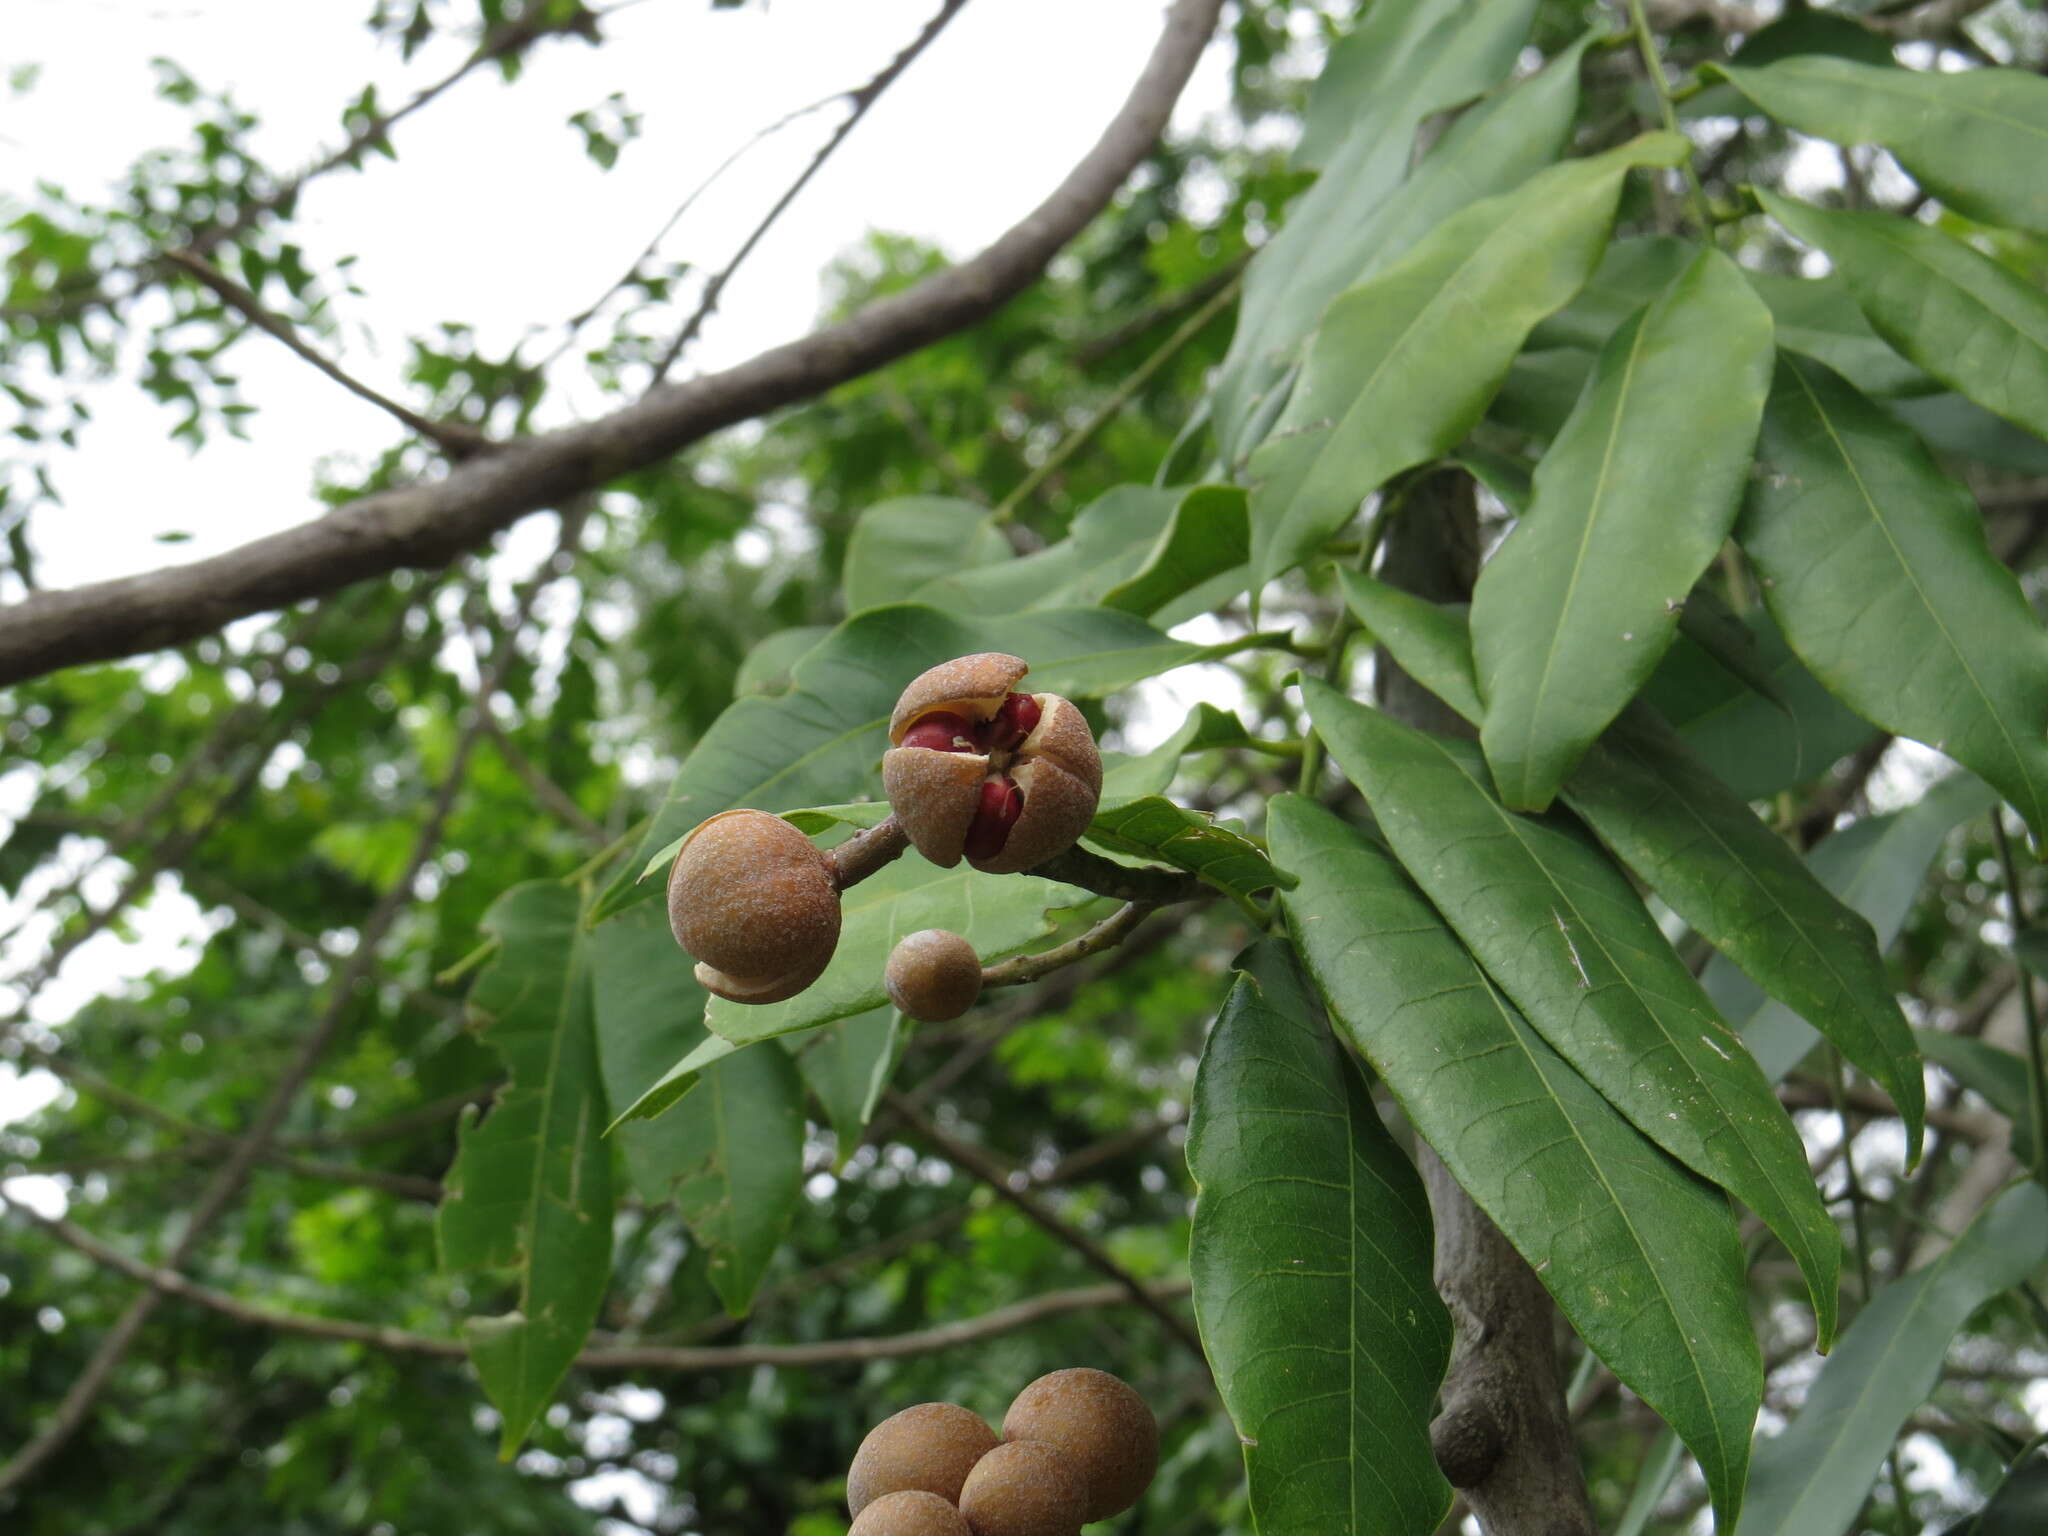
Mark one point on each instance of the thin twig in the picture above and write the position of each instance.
(860, 99)
(1653, 66)
(982, 1166)
(455, 439)
(2030, 1011)
(1119, 397)
(1021, 970)
(622, 1354)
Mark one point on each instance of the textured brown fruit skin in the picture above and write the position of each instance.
(933, 975)
(934, 792)
(1025, 1488)
(1102, 1426)
(756, 904)
(973, 686)
(912, 1512)
(929, 1447)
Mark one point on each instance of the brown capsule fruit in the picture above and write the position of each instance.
(1102, 1426)
(977, 770)
(933, 975)
(912, 1512)
(930, 1448)
(1025, 1488)
(756, 904)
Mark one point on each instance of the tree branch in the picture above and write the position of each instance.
(428, 524)
(623, 1355)
(985, 1168)
(862, 99)
(1022, 970)
(455, 439)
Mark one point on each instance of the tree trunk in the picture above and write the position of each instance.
(1503, 1435)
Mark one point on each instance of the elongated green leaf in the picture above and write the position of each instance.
(1109, 540)
(1642, 1257)
(1632, 273)
(1403, 365)
(1311, 1260)
(1209, 536)
(744, 1127)
(1817, 317)
(1812, 1479)
(767, 667)
(1562, 933)
(669, 1089)
(1540, 388)
(1999, 1077)
(1757, 744)
(1956, 428)
(1699, 846)
(650, 1015)
(848, 1066)
(531, 1187)
(1709, 623)
(1875, 867)
(1953, 310)
(1361, 216)
(1132, 778)
(1973, 138)
(1632, 503)
(1156, 828)
(1875, 565)
(899, 544)
(822, 742)
(1382, 57)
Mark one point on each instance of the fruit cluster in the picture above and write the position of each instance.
(974, 770)
(1077, 1446)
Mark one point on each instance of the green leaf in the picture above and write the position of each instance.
(1817, 317)
(1956, 428)
(744, 1132)
(899, 544)
(1109, 540)
(1972, 138)
(822, 742)
(2030, 948)
(675, 1084)
(1709, 623)
(1968, 321)
(1429, 54)
(1699, 847)
(768, 666)
(1643, 1258)
(848, 1065)
(1361, 216)
(531, 1187)
(997, 914)
(1208, 537)
(1133, 778)
(1875, 868)
(1756, 743)
(1403, 365)
(1632, 503)
(1632, 274)
(1875, 565)
(1561, 931)
(1812, 1479)
(1310, 1258)
(1999, 1077)
(649, 1015)
(1156, 828)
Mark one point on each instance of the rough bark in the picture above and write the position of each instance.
(429, 524)
(1503, 1435)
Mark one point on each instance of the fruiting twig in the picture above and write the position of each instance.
(1020, 970)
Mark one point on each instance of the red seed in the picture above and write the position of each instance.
(1001, 804)
(1017, 719)
(942, 732)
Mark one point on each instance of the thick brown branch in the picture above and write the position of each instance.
(428, 524)
(623, 1355)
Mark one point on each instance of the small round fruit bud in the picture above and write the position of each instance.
(930, 1448)
(912, 1512)
(933, 975)
(1102, 1426)
(1024, 1488)
(756, 904)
